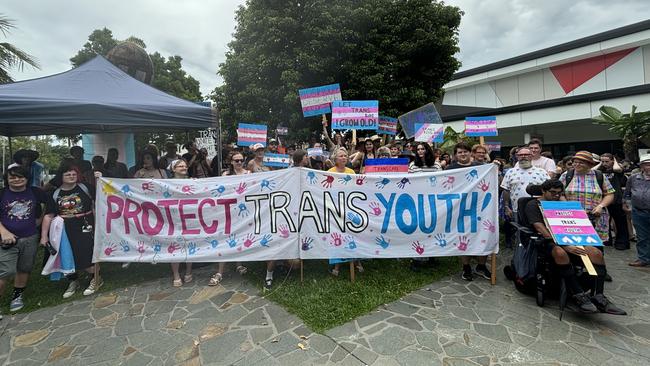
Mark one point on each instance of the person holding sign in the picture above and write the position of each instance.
(179, 169)
(564, 256)
(236, 168)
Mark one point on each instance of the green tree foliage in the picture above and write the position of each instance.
(50, 151)
(10, 55)
(631, 127)
(169, 77)
(399, 52)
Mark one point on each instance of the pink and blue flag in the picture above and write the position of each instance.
(276, 160)
(318, 100)
(249, 134)
(387, 125)
(387, 165)
(355, 114)
(480, 126)
(429, 132)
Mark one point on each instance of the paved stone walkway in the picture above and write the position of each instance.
(447, 323)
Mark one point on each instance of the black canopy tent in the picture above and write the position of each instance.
(96, 97)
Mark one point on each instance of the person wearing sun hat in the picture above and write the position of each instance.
(27, 158)
(591, 188)
(637, 199)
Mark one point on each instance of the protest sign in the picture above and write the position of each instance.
(355, 115)
(427, 132)
(425, 114)
(250, 134)
(276, 160)
(298, 213)
(282, 131)
(387, 165)
(481, 126)
(569, 223)
(317, 100)
(493, 146)
(387, 125)
(206, 140)
(315, 151)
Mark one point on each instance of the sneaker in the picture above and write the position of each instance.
(93, 287)
(17, 303)
(268, 283)
(584, 303)
(72, 288)
(126, 265)
(482, 271)
(604, 306)
(467, 273)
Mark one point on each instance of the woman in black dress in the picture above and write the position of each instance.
(74, 203)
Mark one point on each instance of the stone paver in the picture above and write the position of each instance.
(449, 322)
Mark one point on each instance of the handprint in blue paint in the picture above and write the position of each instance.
(345, 180)
(268, 184)
(232, 241)
(126, 189)
(433, 181)
(243, 210)
(165, 191)
(306, 243)
(441, 240)
(402, 183)
(382, 242)
(216, 192)
(355, 218)
(351, 244)
(213, 243)
(125, 246)
(382, 183)
(311, 177)
(473, 174)
(266, 239)
(192, 248)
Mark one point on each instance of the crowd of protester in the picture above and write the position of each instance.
(614, 195)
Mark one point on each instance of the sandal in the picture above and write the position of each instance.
(215, 279)
(177, 283)
(242, 270)
(360, 268)
(334, 272)
(188, 278)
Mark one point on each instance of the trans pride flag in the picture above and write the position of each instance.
(250, 134)
(317, 100)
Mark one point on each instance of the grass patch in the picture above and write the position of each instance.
(41, 292)
(324, 302)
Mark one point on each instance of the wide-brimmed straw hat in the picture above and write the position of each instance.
(585, 156)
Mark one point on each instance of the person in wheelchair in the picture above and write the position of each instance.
(564, 256)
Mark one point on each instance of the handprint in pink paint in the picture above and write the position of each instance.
(489, 226)
(187, 189)
(147, 187)
(449, 182)
(110, 249)
(375, 210)
(327, 182)
(249, 240)
(171, 248)
(463, 242)
(360, 180)
(419, 248)
(336, 239)
(284, 231)
(483, 185)
(241, 188)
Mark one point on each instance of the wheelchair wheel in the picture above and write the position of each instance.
(540, 297)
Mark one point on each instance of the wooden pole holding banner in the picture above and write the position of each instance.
(217, 126)
(351, 271)
(302, 278)
(493, 257)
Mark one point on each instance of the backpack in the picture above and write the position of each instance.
(599, 177)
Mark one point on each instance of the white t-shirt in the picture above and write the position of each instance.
(517, 179)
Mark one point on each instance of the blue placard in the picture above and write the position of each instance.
(355, 114)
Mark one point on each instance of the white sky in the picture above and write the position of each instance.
(199, 31)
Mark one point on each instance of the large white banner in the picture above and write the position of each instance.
(298, 213)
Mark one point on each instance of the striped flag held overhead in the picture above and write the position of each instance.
(317, 100)
(249, 134)
(276, 160)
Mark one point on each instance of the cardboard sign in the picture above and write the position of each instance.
(425, 114)
(355, 115)
(250, 134)
(317, 100)
(387, 125)
(493, 146)
(315, 151)
(481, 126)
(429, 132)
(276, 160)
(387, 165)
(282, 131)
(206, 140)
(569, 223)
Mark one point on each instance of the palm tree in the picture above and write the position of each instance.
(631, 127)
(10, 55)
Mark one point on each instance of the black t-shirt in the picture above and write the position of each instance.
(75, 201)
(618, 181)
(20, 210)
(455, 165)
(533, 213)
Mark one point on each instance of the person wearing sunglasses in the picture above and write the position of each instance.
(236, 168)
